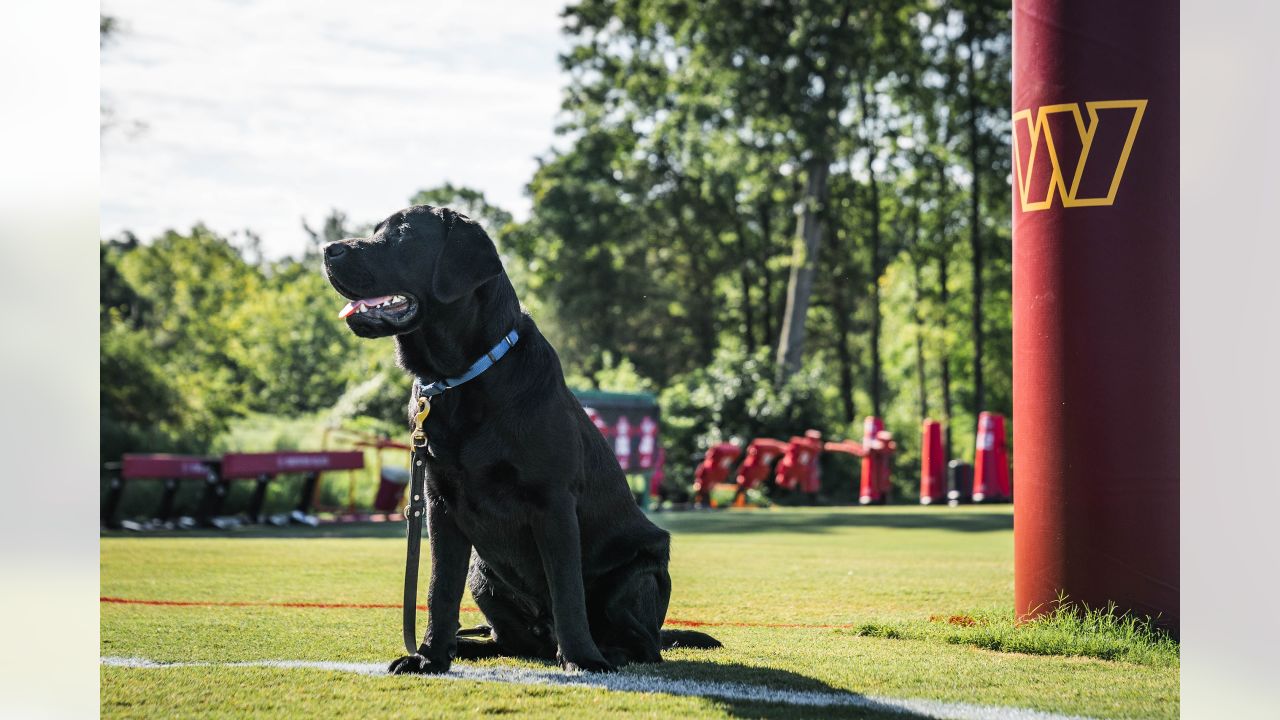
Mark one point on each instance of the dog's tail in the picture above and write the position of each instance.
(688, 639)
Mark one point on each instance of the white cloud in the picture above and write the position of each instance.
(261, 113)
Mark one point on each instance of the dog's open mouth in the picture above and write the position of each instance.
(388, 306)
(382, 315)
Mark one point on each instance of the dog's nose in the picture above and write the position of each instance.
(334, 249)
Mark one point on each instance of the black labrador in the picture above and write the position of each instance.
(565, 565)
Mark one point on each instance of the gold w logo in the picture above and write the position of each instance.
(1058, 145)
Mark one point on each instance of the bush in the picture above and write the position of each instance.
(141, 406)
(736, 398)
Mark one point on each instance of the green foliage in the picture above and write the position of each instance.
(298, 354)
(663, 228)
(735, 399)
(614, 376)
(194, 335)
(469, 202)
(661, 238)
(166, 378)
(140, 405)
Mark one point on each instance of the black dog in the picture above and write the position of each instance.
(565, 565)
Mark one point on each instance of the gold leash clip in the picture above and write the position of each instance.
(424, 409)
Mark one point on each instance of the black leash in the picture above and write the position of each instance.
(414, 512)
(417, 507)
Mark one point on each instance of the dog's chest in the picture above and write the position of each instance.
(488, 503)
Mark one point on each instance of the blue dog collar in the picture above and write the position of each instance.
(490, 358)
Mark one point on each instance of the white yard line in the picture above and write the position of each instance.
(626, 681)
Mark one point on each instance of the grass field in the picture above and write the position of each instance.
(895, 602)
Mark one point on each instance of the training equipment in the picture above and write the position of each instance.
(798, 469)
(648, 441)
(991, 461)
(761, 454)
(391, 479)
(879, 444)
(622, 442)
(1095, 305)
(869, 492)
(959, 483)
(392, 484)
(848, 447)
(630, 422)
(933, 484)
(713, 470)
(659, 475)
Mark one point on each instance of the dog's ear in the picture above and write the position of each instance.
(467, 260)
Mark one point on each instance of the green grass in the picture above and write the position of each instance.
(863, 582)
(1068, 630)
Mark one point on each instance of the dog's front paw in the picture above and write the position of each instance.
(584, 664)
(417, 665)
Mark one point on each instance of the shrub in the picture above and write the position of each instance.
(736, 398)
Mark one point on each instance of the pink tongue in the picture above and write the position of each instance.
(354, 305)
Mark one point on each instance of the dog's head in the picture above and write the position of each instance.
(411, 269)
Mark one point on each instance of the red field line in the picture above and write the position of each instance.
(389, 606)
(730, 623)
(235, 603)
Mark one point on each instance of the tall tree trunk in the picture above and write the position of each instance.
(703, 312)
(744, 275)
(875, 300)
(944, 254)
(944, 298)
(921, 389)
(944, 302)
(809, 226)
(804, 266)
(975, 234)
(917, 259)
(764, 208)
(840, 307)
(877, 269)
(780, 309)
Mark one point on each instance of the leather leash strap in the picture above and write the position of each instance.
(417, 507)
(414, 513)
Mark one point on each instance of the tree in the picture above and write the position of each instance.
(469, 202)
(859, 147)
(336, 226)
(109, 32)
(787, 68)
(194, 336)
(984, 44)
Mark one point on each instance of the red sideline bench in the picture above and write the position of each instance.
(168, 469)
(217, 474)
(264, 467)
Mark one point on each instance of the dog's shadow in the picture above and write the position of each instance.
(750, 691)
(743, 691)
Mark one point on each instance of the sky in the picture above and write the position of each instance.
(257, 114)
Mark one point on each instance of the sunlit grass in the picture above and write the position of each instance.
(1068, 630)
(869, 592)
